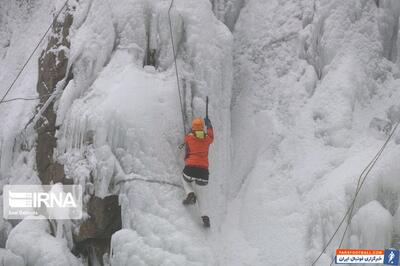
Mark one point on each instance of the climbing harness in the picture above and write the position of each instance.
(161, 182)
(31, 55)
(176, 67)
(361, 180)
(198, 181)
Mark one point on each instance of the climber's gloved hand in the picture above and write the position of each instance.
(207, 122)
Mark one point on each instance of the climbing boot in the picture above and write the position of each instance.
(190, 199)
(206, 221)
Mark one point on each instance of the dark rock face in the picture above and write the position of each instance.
(95, 233)
(105, 218)
(93, 239)
(53, 64)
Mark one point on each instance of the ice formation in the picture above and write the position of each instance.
(119, 120)
(303, 94)
(31, 240)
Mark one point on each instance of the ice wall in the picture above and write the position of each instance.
(310, 77)
(22, 24)
(31, 240)
(119, 120)
(315, 92)
(227, 11)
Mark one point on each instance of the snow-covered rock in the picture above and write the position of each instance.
(371, 227)
(10, 259)
(32, 241)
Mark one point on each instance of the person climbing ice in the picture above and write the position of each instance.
(195, 174)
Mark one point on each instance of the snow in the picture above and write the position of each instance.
(302, 96)
(310, 84)
(372, 216)
(119, 120)
(22, 26)
(8, 258)
(32, 241)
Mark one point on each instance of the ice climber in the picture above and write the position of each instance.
(195, 174)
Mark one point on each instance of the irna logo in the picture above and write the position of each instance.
(42, 202)
(40, 199)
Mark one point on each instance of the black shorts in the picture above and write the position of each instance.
(197, 174)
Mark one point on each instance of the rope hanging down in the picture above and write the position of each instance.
(31, 55)
(176, 66)
(360, 183)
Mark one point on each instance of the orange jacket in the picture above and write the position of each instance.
(197, 149)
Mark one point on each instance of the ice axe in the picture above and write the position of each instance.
(183, 144)
(206, 106)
